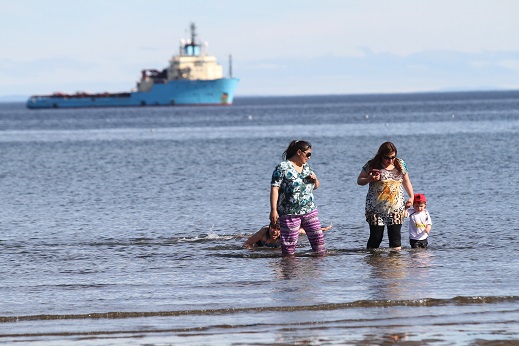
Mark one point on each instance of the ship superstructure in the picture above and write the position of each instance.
(193, 77)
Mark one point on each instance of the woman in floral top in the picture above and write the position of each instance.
(292, 200)
(385, 202)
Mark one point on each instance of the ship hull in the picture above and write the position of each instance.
(172, 93)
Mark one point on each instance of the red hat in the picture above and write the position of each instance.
(419, 197)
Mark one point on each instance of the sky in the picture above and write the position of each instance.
(283, 47)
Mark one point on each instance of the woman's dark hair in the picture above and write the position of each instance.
(384, 149)
(294, 146)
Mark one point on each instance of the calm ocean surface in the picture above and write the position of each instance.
(124, 226)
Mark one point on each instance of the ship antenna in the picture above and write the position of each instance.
(230, 66)
(193, 34)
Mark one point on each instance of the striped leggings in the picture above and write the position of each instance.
(290, 225)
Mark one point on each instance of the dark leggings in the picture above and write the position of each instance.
(377, 232)
(418, 243)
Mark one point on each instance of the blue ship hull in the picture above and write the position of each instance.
(172, 93)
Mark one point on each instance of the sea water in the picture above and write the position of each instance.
(124, 226)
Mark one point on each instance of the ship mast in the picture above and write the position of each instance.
(193, 34)
(192, 48)
(230, 66)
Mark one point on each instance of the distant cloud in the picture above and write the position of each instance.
(272, 66)
(149, 49)
(510, 64)
(381, 72)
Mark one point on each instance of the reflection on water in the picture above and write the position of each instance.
(387, 272)
(421, 258)
(400, 275)
(296, 280)
(299, 268)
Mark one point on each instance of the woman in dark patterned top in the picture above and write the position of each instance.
(387, 177)
(292, 200)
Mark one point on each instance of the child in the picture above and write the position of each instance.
(420, 223)
(268, 236)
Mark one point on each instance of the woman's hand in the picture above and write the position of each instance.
(274, 216)
(375, 175)
(314, 179)
(365, 177)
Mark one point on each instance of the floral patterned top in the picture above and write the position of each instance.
(385, 201)
(295, 191)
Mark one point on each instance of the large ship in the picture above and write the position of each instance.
(192, 78)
